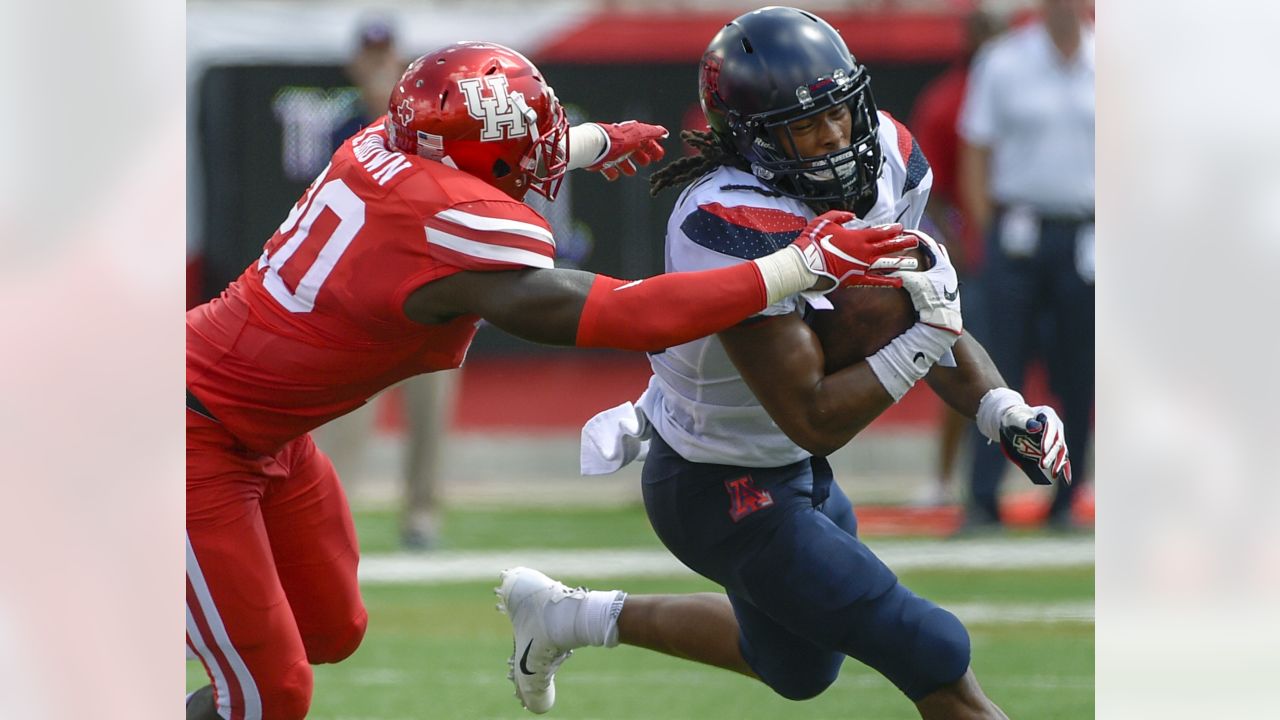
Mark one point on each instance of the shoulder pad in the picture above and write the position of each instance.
(742, 231)
(908, 154)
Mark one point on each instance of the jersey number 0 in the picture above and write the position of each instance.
(296, 229)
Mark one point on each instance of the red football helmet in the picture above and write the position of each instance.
(486, 110)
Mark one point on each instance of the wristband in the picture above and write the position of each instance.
(909, 357)
(992, 408)
(785, 273)
(588, 142)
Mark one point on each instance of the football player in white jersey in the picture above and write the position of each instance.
(737, 426)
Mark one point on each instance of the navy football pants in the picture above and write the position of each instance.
(806, 592)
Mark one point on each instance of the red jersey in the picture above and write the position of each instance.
(316, 327)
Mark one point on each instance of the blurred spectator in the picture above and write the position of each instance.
(934, 120)
(375, 68)
(1026, 182)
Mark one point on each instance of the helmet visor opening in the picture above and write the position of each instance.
(862, 142)
(841, 174)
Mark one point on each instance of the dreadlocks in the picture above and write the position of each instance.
(711, 154)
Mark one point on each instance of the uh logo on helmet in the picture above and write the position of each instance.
(486, 110)
(771, 67)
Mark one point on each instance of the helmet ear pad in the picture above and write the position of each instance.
(774, 66)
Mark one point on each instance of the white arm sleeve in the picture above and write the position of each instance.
(587, 143)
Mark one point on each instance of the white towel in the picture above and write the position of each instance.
(614, 438)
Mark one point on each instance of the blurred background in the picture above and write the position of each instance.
(92, 275)
(455, 476)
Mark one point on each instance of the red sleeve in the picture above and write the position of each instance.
(490, 235)
(668, 310)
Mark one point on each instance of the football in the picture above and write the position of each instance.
(864, 320)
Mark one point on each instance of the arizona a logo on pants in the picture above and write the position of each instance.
(499, 109)
(745, 498)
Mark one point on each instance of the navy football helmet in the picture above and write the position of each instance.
(776, 65)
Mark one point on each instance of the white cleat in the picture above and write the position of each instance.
(524, 596)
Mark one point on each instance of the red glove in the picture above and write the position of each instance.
(854, 256)
(630, 144)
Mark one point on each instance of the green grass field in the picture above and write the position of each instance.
(439, 650)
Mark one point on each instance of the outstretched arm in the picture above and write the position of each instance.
(572, 307)
(567, 307)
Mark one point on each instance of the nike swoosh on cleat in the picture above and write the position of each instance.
(523, 667)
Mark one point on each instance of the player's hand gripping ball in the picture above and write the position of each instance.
(865, 319)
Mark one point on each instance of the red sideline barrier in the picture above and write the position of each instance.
(1020, 511)
(682, 37)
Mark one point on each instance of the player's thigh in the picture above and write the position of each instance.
(239, 621)
(702, 511)
(806, 572)
(313, 539)
(824, 585)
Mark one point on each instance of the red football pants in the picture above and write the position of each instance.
(271, 571)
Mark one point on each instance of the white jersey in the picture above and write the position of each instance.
(696, 399)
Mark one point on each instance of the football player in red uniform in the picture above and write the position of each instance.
(414, 232)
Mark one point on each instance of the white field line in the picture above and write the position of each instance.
(461, 566)
(1018, 613)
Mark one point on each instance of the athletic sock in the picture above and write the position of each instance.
(592, 621)
(612, 611)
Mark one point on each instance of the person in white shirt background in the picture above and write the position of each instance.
(1027, 183)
